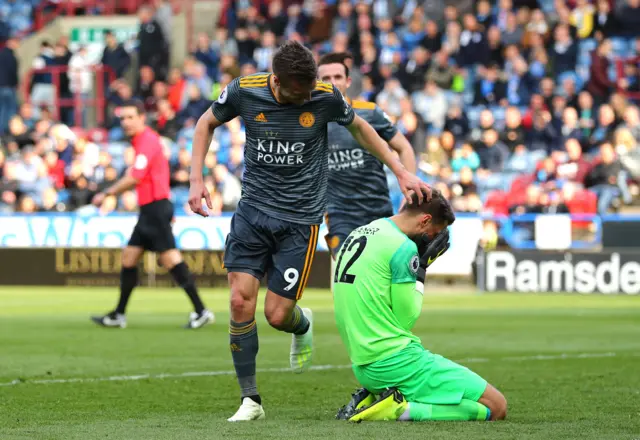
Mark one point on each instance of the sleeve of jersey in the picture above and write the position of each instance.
(226, 107)
(383, 125)
(406, 297)
(406, 304)
(141, 164)
(340, 110)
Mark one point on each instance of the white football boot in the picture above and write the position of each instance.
(301, 353)
(248, 411)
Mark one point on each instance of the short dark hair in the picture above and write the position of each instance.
(336, 58)
(438, 207)
(293, 61)
(136, 103)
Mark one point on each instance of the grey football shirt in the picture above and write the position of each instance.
(286, 168)
(358, 190)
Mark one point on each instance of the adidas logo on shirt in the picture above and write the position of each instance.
(261, 118)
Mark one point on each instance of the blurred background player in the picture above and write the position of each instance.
(378, 292)
(358, 192)
(150, 176)
(274, 230)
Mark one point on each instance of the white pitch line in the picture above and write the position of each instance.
(539, 357)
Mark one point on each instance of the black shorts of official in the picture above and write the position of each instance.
(153, 232)
(339, 227)
(260, 245)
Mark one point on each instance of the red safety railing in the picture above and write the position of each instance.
(620, 64)
(101, 77)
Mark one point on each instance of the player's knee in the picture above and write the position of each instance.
(499, 408)
(276, 317)
(130, 257)
(239, 303)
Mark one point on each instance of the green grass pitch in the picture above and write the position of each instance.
(568, 365)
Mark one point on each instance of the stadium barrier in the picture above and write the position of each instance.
(101, 267)
(98, 238)
(605, 272)
(192, 233)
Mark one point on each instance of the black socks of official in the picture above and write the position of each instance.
(128, 281)
(182, 276)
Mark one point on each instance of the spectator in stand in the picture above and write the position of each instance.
(167, 124)
(431, 105)
(605, 127)
(80, 84)
(576, 167)
(581, 18)
(62, 58)
(564, 52)
(180, 170)
(145, 85)
(513, 32)
(457, 122)
(465, 158)
(608, 179)
(152, 46)
(627, 17)
(195, 107)
(207, 55)
(570, 128)
(513, 134)
(604, 23)
(164, 17)
(493, 153)
(115, 56)
(414, 70)
(489, 88)
(599, 84)
(440, 71)
(532, 204)
(8, 83)
(42, 88)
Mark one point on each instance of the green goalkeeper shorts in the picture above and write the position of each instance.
(422, 377)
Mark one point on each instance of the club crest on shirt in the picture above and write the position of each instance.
(414, 264)
(307, 119)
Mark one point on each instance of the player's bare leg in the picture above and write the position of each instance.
(128, 281)
(173, 262)
(495, 401)
(243, 341)
(283, 314)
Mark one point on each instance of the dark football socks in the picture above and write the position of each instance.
(128, 281)
(298, 324)
(182, 276)
(243, 341)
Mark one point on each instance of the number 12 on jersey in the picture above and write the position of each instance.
(349, 245)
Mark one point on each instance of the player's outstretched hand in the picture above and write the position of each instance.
(410, 183)
(197, 192)
(434, 249)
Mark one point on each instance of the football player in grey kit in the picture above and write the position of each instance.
(357, 193)
(274, 230)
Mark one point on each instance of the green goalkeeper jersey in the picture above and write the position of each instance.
(376, 297)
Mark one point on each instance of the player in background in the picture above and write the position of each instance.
(378, 292)
(274, 231)
(358, 192)
(150, 176)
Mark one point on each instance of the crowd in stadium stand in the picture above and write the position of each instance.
(512, 107)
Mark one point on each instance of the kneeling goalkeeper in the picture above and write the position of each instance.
(378, 292)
